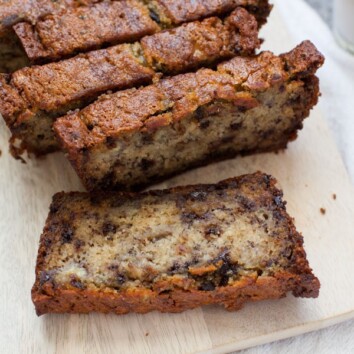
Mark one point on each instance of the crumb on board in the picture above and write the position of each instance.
(334, 196)
(323, 211)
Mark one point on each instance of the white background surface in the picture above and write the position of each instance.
(337, 103)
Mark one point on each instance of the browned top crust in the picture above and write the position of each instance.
(78, 260)
(80, 29)
(14, 11)
(56, 86)
(49, 86)
(188, 10)
(63, 32)
(175, 98)
(186, 46)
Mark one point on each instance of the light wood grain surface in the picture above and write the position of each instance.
(310, 172)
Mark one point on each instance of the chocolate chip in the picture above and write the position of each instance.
(189, 217)
(213, 230)
(113, 267)
(108, 181)
(199, 113)
(154, 16)
(44, 277)
(54, 208)
(204, 124)
(236, 125)
(175, 268)
(111, 142)
(224, 280)
(278, 201)
(242, 109)
(145, 164)
(246, 203)
(266, 179)
(251, 243)
(48, 242)
(223, 256)
(207, 286)
(199, 196)
(108, 228)
(67, 234)
(121, 279)
(76, 283)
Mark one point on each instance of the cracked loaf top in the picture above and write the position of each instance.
(174, 98)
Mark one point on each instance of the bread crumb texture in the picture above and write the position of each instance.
(190, 240)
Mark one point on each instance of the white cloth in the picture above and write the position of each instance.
(337, 103)
(337, 75)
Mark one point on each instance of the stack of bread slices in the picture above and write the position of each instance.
(136, 91)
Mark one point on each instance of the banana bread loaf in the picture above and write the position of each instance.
(86, 28)
(42, 93)
(170, 250)
(134, 138)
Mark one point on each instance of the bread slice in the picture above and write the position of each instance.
(90, 27)
(172, 12)
(134, 138)
(170, 250)
(85, 28)
(46, 92)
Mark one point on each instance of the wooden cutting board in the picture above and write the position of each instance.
(310, 172)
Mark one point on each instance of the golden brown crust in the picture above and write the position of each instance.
(175, 294)
(85, 28)
(194, 43)
(143, 301)
(57, 35)
(179, 11)
(52, 86)
(52, 90)
(180, 96)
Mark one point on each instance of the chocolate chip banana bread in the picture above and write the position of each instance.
(40, 94)
(134, 138)
(90, 27)
(170, 250)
